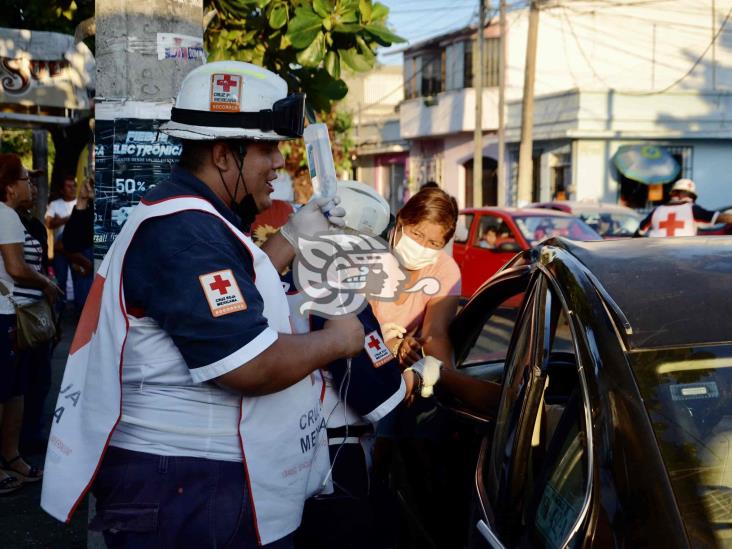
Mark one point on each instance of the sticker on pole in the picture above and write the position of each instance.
(222, 293)
(225, 92)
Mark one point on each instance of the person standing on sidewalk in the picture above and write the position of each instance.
(183, 361)
(57, 215)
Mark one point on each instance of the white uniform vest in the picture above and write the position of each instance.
(673, 220)
(284, 451)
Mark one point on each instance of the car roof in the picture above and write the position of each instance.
(575, 206)
(514, 212)
(673, 291)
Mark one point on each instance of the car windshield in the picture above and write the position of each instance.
(536, 228)
(611, 223)
(688, 395)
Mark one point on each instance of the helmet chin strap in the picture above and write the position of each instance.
(240, 176)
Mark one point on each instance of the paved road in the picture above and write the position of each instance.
(22, 521)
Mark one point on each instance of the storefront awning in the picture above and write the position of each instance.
(45, 78)
(646, 164)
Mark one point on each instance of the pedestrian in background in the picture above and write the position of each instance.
(57, 215)
(16, 244)
(681, 215)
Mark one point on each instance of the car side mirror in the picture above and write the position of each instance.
(510, 246)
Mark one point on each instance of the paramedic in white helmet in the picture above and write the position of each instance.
(188, 407)
(680, 215)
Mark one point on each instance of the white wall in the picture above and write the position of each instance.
(713, 174)
(623, 45)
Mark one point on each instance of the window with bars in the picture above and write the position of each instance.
(684, 155)
(491, 62)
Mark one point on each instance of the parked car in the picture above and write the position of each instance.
(614, 427)
(514, 230)
(610, 220)
(718, 228)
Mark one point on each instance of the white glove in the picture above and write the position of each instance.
(429, 370)
(311, 219)
(391, 331)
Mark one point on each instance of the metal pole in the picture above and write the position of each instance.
(714, 45)
(502, 190)
(527, 111)
(40, 162)
(478, 134)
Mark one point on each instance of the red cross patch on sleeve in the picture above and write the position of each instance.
(376, 349)
(222, 293)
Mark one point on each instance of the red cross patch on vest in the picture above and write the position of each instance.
(376, 349)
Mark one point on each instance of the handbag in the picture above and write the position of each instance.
(36, 321)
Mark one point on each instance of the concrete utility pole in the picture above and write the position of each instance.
(527, 109)
(502, 190)
(144, 50)
(478, 134)
(39, 151)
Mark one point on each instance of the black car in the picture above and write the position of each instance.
(614, 427)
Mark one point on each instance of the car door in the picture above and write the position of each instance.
(483, 260)
(533, 474)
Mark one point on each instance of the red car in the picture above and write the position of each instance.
(610, 220)
(486, 238)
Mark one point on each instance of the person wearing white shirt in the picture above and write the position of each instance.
(57, 215)
(14, 190)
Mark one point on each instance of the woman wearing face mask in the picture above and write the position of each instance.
(417, 322)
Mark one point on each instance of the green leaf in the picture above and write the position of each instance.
(365, 50)
(350, 28)
(364, 6)
(383, 35)
(355, 61)
(278, 15)
(304, 27)
(324, 8)
(346, 16)
(314, 53)
(333, 64)
(379, 12)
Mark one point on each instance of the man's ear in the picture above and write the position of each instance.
(221, 156)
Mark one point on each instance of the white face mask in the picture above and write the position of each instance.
(412, 255)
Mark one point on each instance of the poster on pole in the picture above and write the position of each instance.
(131, 156)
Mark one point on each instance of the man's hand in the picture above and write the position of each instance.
(316, 216)
(86, 193)
(348, 331)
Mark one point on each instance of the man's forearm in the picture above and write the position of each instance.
(284, 363)
(279, 251)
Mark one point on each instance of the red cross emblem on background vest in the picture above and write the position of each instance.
(220, 285)
(670, 224)
(374, 343)
(227, 83)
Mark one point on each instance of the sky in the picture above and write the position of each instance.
(417, 20)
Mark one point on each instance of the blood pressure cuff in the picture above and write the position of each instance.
(375, 386)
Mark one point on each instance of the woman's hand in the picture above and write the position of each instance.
(409, 350)
(52, 291)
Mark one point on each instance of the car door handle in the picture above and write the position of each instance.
(488, 535)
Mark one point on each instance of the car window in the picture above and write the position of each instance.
(538, 227)
(688, 395)
(462, 228)
(563, 493)
(492, 232)
(495, 335)
(538, 470)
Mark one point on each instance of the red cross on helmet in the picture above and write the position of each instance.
(235, 100)
(685, 185)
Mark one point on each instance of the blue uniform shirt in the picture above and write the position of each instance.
(162, 271)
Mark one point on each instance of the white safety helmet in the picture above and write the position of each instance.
(366, 210)
(235, 100)
(685, 185)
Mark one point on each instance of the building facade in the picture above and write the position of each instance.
(608, 74)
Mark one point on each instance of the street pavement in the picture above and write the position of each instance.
(22, 521)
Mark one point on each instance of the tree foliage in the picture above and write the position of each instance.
(311, 44)
(307, 42)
